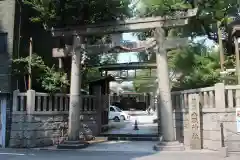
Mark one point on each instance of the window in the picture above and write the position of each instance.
(112, 109)
(118, 109)
(3, 43)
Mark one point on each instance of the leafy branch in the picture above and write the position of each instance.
(51, 80)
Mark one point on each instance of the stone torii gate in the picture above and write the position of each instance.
(134, 25)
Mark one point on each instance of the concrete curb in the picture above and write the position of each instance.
(54, 148)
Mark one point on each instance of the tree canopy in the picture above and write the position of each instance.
(193, 66)
(204, 24)
(190, 67)
(62, 13)
(198, 66)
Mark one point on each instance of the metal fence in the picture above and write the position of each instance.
(230, 139)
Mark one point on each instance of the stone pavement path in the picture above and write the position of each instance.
(123, 146)
(119, 150)
(145, 125)
(12, 154)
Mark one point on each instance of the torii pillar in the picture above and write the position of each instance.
(165, 102)
(73, 141)
(165, 109)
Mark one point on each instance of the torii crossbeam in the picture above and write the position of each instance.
(131, 25)
(137, 46)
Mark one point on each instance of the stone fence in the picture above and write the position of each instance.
(198, 114)
(41, 119)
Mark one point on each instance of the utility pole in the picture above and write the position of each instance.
(236, 44)
(19, 34)
(220, 45)
(29, 65)
(237, 59)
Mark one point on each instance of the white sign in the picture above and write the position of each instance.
(238, 119)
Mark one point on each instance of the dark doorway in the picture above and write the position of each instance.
(128, 103)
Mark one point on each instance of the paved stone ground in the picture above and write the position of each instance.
(145, 125)
(103, 155)
(119, 150)
(123, 146)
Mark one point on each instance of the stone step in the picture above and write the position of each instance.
(174, 143)
(72, 142)
(98, 140)
(133, 138)
(72, 145)
(169, 146)
(128, 135)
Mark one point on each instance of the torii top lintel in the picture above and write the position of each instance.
(131, 25)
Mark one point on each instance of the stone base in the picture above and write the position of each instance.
(223, 151)
(73, 145)
(169, 146)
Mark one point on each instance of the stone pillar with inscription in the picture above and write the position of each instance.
(195, 123)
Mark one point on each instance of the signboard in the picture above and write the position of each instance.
(238, 119)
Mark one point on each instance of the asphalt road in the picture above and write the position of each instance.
(103, 155)
(70, 155)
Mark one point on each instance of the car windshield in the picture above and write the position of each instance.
(118, 109)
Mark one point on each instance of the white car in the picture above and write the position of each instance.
(117, 114)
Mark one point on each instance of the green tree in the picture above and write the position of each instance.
(204, 24)
(52, 13)
(197, 67)
(190, 67)
(192, 62)
(56, 13)
(144, 82)
(50, 79)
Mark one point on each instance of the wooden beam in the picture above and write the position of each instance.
(131, 25)
(133, 78)
(101, 48)
(127, 66)
(170, 43)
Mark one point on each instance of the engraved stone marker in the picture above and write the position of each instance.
(195, 130)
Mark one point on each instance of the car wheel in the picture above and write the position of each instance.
(116, 119)
(122, 117)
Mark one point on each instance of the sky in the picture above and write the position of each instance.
(131, 57)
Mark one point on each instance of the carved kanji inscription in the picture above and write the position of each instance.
(195, 136)
(194, 117)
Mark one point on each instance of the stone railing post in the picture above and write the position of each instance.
(15, 100)
(30, 138)
(31, 94)
(98, 106)
(220, 95)
(151, 100)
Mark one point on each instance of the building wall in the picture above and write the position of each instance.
(7, 17)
